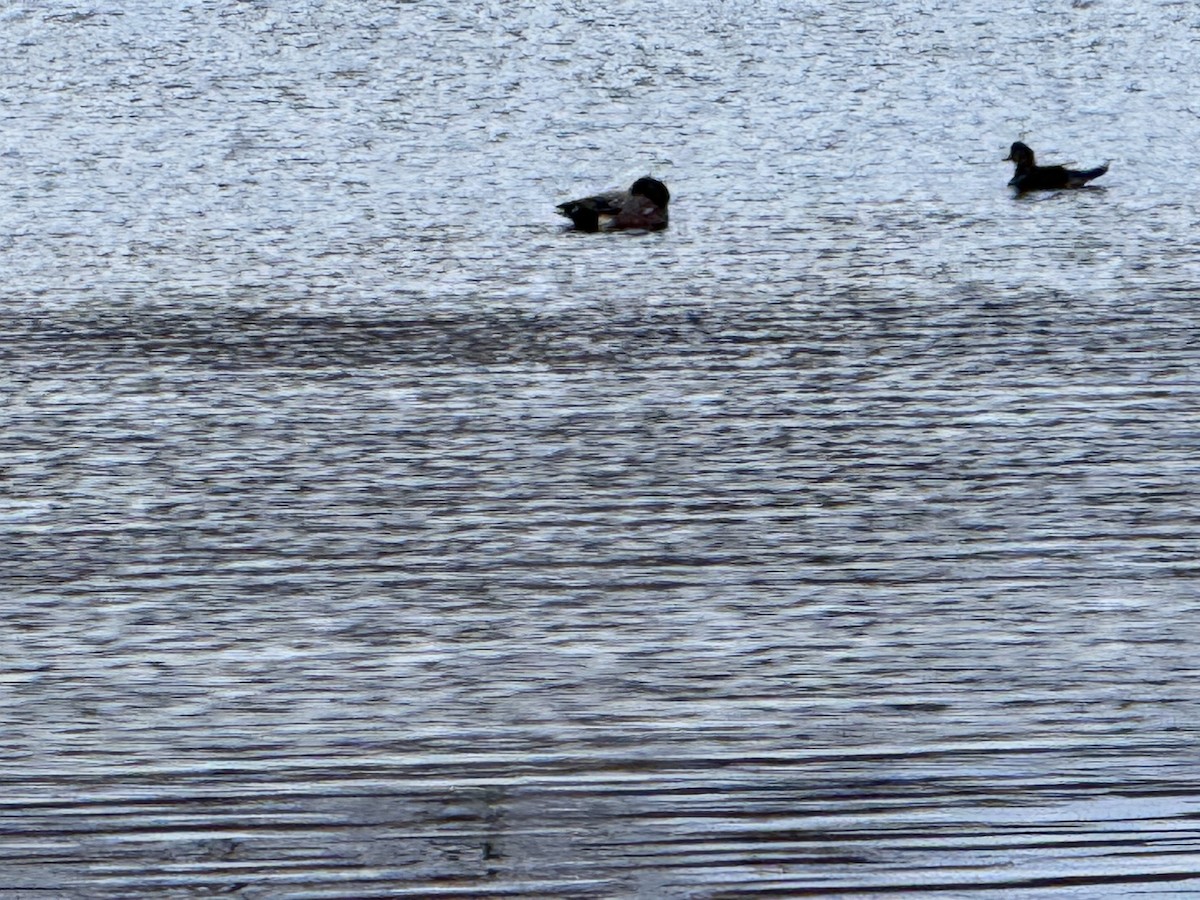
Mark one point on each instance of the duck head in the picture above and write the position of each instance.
(653, 190)
(1020, 154)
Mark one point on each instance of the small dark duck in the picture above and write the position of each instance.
(643, 206)
(1032, 177)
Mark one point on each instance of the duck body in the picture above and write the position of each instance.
(643, 206)
(1029, 176)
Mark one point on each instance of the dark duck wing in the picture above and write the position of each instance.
(585, 212)
(1053, 178)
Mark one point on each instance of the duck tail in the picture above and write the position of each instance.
(582, 215)
(1079, 178)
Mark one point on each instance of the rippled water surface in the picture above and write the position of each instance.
(367, 535)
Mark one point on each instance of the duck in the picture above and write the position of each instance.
(1032, 177)
(643, 206)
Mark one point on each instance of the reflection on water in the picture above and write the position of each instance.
(366, 535)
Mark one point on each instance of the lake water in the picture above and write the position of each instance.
(367, 535)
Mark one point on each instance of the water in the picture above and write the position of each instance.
(366, 535)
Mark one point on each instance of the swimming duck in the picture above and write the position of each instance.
(644, 205)
(1032, 177)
